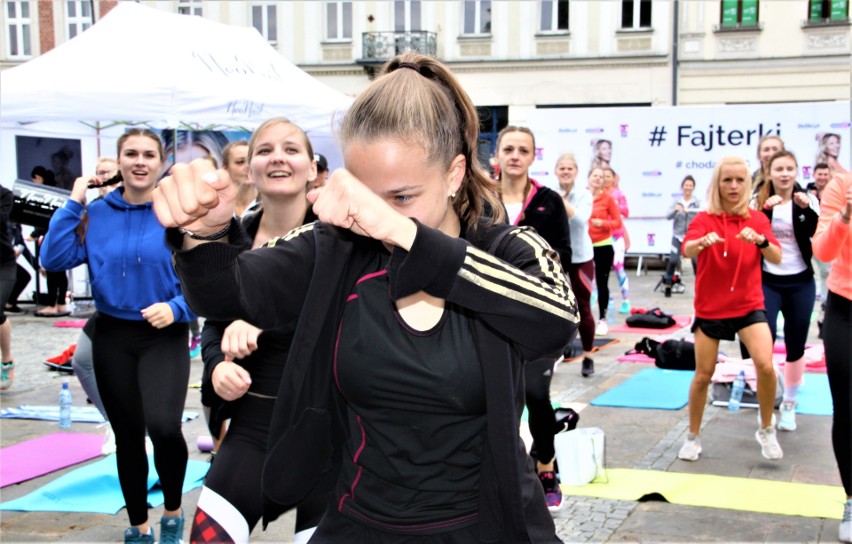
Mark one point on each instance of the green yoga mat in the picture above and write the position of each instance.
(747, 494)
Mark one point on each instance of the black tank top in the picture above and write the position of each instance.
(416, 415)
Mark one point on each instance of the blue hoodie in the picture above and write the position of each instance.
(130, 266)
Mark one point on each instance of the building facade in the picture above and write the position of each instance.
(513, 56)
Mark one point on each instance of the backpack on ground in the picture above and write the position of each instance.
(675, 355)
(654, 318)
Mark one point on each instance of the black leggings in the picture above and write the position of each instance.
(22, 279)
(235, 474)
(142, 376)
(838, 359)
(537, 377)
(604, 255)
(57, 288)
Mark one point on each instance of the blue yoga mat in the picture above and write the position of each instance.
(95, 489)
(814, 397)
(650, 388)
(82, 414)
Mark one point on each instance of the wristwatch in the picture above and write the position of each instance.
(764, 244)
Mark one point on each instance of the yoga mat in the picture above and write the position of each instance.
(599, 344)
(654, 388)
(82, 414)
(94, 489)
(680, 322)
(71, 323)
(45, 454)
(814, 397)
(747, 494)
(635, 358)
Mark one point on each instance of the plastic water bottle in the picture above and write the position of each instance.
(737, 392)
(64, 406)
(610, 312)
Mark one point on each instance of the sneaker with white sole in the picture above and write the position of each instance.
(769, 447)
(602, 329)
(691, 449)
(108, 446)
(787, 421)
(845, 532)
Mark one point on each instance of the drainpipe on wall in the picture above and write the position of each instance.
(674, 54)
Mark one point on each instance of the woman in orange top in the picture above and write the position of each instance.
(832, 242)
(606, 219)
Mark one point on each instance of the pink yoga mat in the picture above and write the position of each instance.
(680, 321)
(46, 454)
(71, 323)
(635, 358)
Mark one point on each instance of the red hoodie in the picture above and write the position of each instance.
(729, 281)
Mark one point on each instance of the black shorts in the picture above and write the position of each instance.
(726, 329)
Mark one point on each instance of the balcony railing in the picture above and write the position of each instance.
(379, 47)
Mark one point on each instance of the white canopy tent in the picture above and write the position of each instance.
(139, 66)
(142, 66)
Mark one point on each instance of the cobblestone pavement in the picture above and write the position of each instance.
(642, 439)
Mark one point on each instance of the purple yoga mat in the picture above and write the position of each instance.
(46, 454)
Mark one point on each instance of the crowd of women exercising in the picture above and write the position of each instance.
(369, 343)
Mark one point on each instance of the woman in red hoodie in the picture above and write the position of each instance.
(730, 240)
(606, 219)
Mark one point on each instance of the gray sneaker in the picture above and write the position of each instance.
(768, 441)
(691, 449)
(133, 536)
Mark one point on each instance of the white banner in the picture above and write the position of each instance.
(652, 149)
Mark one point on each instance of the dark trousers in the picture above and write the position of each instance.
(674, 260)
(537, 377)
(57, 288)
(22, 279)
(838, 358)
(142, 376)
(794, 298)
(582, 275)
(604, 255)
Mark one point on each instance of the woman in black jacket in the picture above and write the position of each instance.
(413, 311)
(531, 204)
(789, 287)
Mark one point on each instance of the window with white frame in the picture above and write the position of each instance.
(189, 7)
(338, 20)
(406, 15)
(635, 14)
(264, 17)
(477, 16)
(18, 29)
(78, 16)
(554, 16)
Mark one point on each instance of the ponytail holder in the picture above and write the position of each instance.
(422, 70)
(409, 65)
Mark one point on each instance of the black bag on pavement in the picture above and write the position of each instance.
(654, 318)
(675, 355)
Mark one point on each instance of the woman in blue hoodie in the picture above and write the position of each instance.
(139, 346)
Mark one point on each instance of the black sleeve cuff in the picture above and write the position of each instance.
(431, 265)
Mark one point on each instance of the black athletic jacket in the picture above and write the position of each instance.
(522, 311)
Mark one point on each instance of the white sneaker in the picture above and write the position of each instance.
(845, 533)
(109, 440)
(787, 421)
(769, 447)
(691, 449)
(601, 329)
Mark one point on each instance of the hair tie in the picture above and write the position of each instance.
(409, 65)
